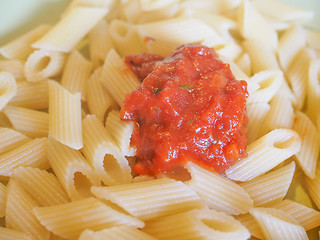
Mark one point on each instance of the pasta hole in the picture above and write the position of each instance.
(82, 184)
(284, 143)
(266, 83)
(219, 226)
(111, 166)
(122, 30)
(42, 64)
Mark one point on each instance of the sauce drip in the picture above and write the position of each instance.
(189, 107)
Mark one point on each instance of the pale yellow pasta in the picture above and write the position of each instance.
(3, 200)
(222, 24)
(313, 187)
(276, 224)
(282, 11)
(21, 47)
(19, 215)
(251, 224)
(10, 234)
(159, 47)
(116, 233)
(8, 88)
(261, 56)
(244, 62)
(212, 6)
(43, 64)
(125, 38)
(229, 49)
(170, 11)
(10, 139)
(181, 30)
(313, 90)
(88, 213)
(65, 116)
(297, 75)
(281, 114)
(76, 73)
(151, 199)
(197, 224)
(117, 78)
(26, 97)
(310, 143)
(41, 185)
(98, 98)
(269, 82)
(70, 29)
(308, 217)
(103, 154)
(149, 5)
(72, 170)
(99, 43)
(32, 123)
(313, 38)
(256, 113)
(290, 43)
(279, 145)
(15, 67)
(121, 131)
(33, 153)
(270, 187)
(252, 25)
(218, 192)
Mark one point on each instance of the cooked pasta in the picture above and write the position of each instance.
(68, 168)
(8, 88)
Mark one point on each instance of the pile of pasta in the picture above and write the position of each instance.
(65, 154)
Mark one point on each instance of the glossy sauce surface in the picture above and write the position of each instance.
(189, 107)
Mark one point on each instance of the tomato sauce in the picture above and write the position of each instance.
(189, 107)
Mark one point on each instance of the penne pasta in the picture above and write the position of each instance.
(100, 43)
(26, 98)
(290, 43)
(8, 88)
(70, 29)
(32, 153)
(76, 73)
(261, 56)
(19, 215)
(279, 145)
(43, 64)
(3, 200)
(270, 187)
(161, 197)
(121, 131)
(218, 192)
(276, 224)
(65, 116)
(308, 155)
(103, 154)
(121, 34)
(309, 218)
(11, 139)
(97, 217)
(32, 123)
(9, 234)
(313, 90)
(20, 48)
(197, 224)
(15, 67)
(117, 78)
(116, 233)
(269, 82)
(71, 169)
(253, 26)
(99, 100)
(41, 185)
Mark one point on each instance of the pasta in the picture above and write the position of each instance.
(67, 167)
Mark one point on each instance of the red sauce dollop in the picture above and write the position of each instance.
(189, 107)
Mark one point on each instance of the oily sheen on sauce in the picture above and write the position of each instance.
(189, 107)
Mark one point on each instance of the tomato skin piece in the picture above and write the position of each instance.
(189, 107)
